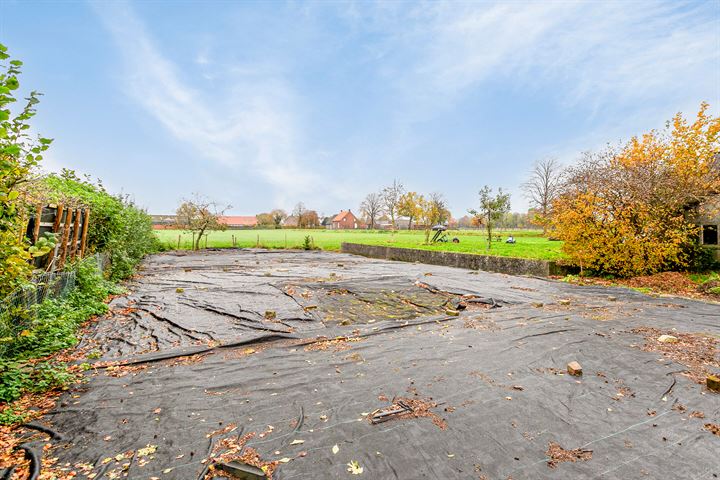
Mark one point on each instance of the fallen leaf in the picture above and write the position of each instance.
(284, 460)
(297, 442)
(335, 449)
(354, 467)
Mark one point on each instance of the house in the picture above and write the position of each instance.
(345, 220)
(164, 222)
(235, 222)
(326, 222)
(708, 218)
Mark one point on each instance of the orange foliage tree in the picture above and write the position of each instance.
(629, 211)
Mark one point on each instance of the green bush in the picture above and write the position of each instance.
(52, 327)
(117, 226)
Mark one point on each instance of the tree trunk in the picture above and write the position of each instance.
(489, 231)
(199, 237)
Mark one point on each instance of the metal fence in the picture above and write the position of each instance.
(16, 310)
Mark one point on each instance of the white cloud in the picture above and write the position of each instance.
(597, 52)
(250, 129)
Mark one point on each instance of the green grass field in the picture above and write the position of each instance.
(530, 244)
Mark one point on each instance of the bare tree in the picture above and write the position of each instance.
(391, 196)
(305, 218)
(198, 215)
(299, 211)
(371, 208)
(542, 188)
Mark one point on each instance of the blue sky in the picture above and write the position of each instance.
(262, 104)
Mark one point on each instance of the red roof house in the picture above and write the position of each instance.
(345, 220)
(238, 221)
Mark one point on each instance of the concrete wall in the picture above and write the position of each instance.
(488, 263)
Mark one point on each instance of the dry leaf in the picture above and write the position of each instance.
(354, 467)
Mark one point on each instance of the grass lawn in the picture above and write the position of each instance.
(530, 244)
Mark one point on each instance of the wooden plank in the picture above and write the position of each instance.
(86, 225)
(36, 227)
(56, 226)
(65, 236)
(76, 234)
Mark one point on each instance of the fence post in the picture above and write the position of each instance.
(65, 236)
(179, 235)
(76, 233)
(86, 226)
(56, 226)
(36, 227)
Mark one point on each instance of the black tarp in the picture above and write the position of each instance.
(494, 371)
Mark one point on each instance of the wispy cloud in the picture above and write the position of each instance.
(597, 52)
(249, 128)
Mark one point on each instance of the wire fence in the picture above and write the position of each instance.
(16, 310)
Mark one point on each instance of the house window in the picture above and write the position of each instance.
(710, 235)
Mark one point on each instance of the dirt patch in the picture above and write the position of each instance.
(233, 449)
(480, 323)
(559, 455)
(698, 352)
(338, 344)
(670, 282)
(667, 283)
(411, 408)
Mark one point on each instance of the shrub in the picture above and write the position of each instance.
(117, 226)
(52, 327)
(627, 212)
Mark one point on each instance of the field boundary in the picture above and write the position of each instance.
(471, 261)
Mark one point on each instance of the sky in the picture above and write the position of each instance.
(263, 104)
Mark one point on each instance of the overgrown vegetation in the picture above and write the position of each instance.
(629, 211)
(27, 364)
(117, 226)
(20, 153)
(30, 338)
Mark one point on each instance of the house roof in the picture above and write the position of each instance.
(340, 216)
(238, 220)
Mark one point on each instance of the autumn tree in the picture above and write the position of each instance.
(466, 221)
(542, 188)
(391, 200)
(371, 208)
(411, 205)
(309, 219)
(492, 208)
(439, 209)
(265, 220)
(278, 215)
(628, 211)
(199, 215)
(432, 211)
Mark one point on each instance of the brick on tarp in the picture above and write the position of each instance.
(574, 368)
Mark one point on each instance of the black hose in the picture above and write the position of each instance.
(41, 428)
(35, 462)
(8, 473)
